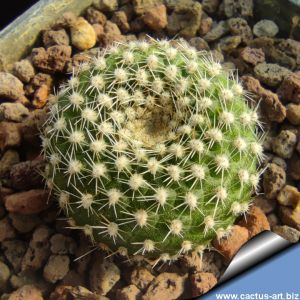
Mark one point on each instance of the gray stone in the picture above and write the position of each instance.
(217, 31)
(265, 28)
(271, 74)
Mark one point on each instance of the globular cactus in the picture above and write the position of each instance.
(152, 149)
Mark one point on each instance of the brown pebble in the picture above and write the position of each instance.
(6, 230)
(253, 56)
(99, 30)
(141, 277)
(29, 202)
(266, 205)
(239, 26)
(202, 282)
(137, 25)
(11, 88)
(165, 286)
(293, 113)
(37, 81)
(24, 70)
(289, 196)
(10, 136)
(229, 43)
(210, 6)
(38, 250)
(95, 16)
(199, 43)
(289, 90)
(15, 112)
(8, 159)
(14, 251)
(230, 245)
(106, 5)
(24, 223)
(140, 6)
(192, 262)
(56, 268)
(238, 8)
(120, 18)
(290, 46)
(83, 36)
(290, 217)
(30, 128)
(26, 175)
(288, 233)
(55, 38)
(273, 219)
(67, 19)
(255, 221)
(156, 17)
(26, 292)
(271, 106)
(63, 292)
(73, 278)
(274, 179)
(104, 275)
(205, 25)
(40, 97)
(185, 19)
(130, 292)
(52, 60)
(284, 143)
(61, 244)
(112, 34)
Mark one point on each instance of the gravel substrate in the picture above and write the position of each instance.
(42, 259)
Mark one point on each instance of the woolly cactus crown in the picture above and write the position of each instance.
(152, 149)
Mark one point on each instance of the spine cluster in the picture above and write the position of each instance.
(152, 149)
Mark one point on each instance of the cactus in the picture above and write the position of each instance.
(152, 149)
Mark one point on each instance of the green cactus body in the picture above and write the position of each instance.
(152, 149)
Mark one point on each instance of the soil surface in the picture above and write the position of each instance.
(40, 257)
